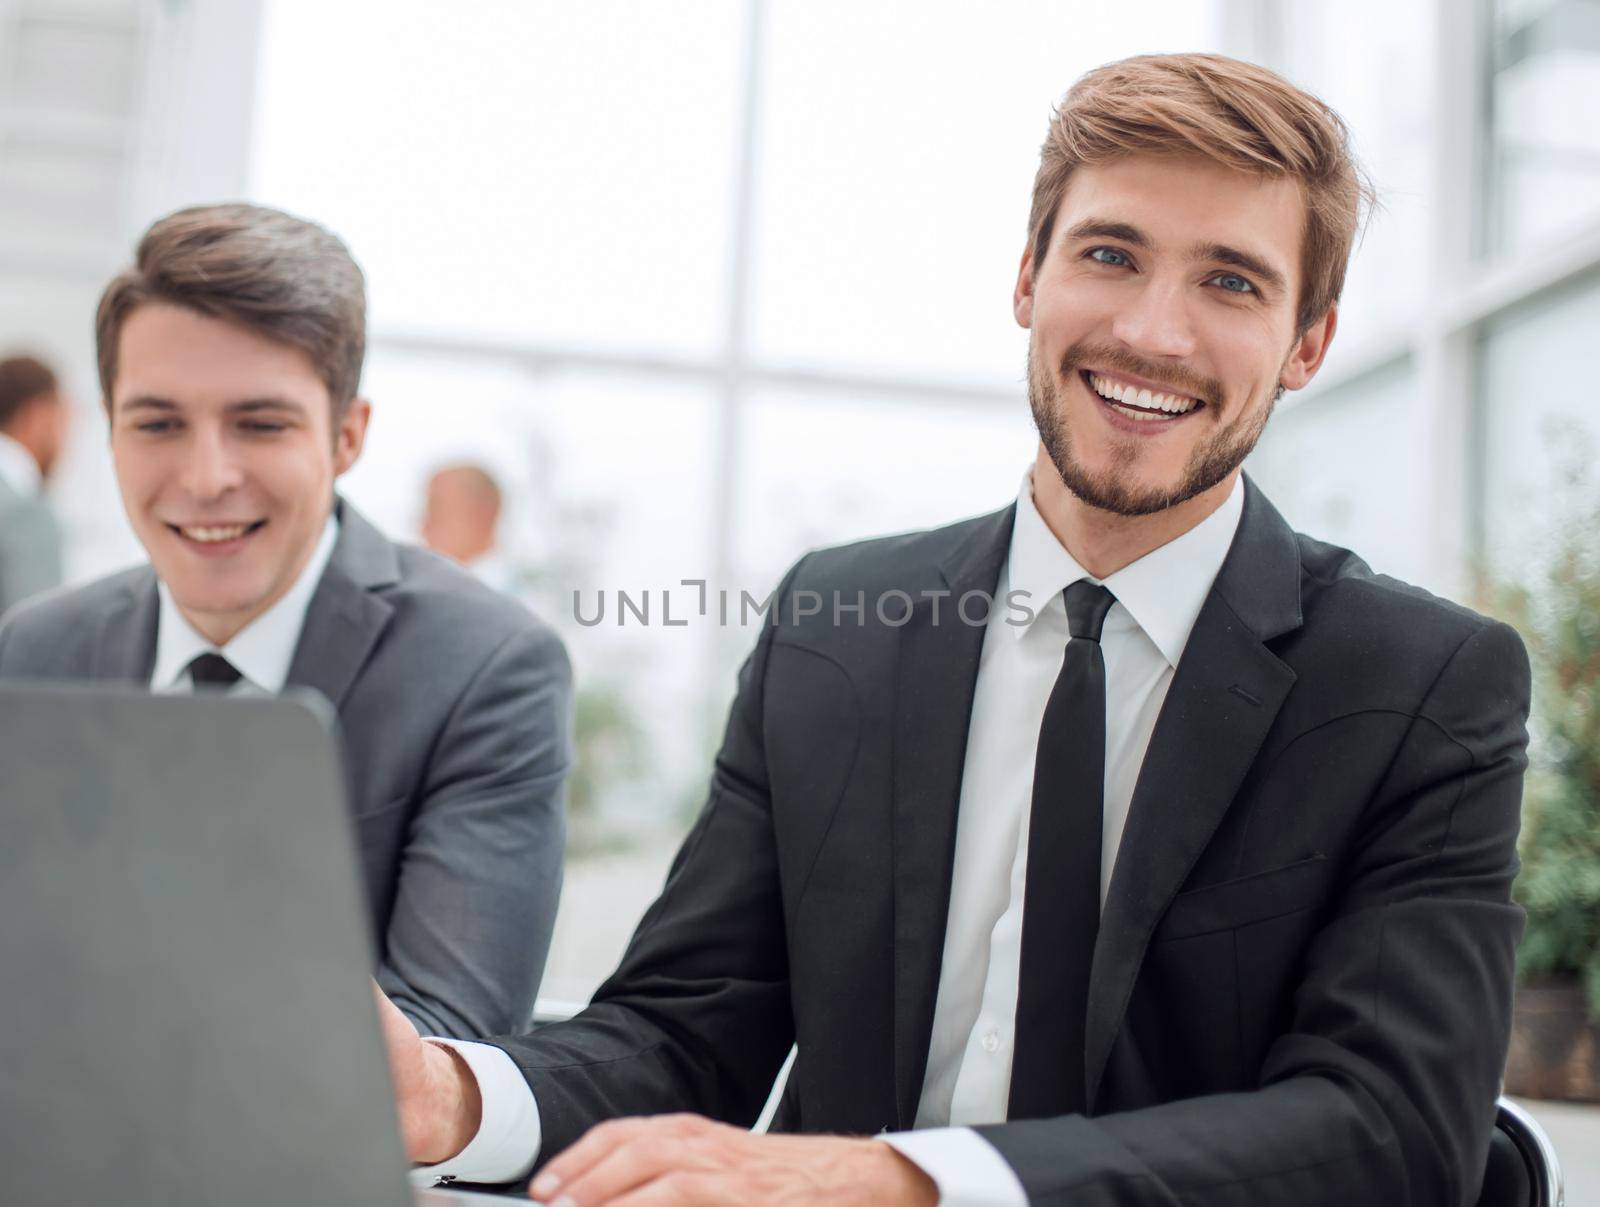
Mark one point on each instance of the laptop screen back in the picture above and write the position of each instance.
(186, 1015)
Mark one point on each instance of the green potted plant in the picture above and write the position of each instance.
(1555, 1046)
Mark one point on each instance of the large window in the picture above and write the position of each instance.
(542, 173)
(1381, 82)
(1537, 441)
(1421, 444)
(705, 285)
(1343, 465)
(1545, 122)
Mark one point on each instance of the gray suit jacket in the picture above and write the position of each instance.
(454, 709)
(30, 547)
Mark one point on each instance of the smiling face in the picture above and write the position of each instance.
(226, 456)
(1162, 326)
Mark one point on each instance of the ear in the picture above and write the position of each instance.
(1306, 356)
(351, 436)
(1022, 295)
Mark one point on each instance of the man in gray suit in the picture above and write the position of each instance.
(230, 357)
(33, 427)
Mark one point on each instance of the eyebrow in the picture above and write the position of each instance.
(252, 405)
(1221, 253)
(1099, 228)
(249, 406)
(147, 402)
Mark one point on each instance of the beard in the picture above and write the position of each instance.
(1115, 488)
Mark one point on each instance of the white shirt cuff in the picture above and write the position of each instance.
(507, 1141)
(967, 1169)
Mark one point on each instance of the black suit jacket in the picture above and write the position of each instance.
(1302, 981)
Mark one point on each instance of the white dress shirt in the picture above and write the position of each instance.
(968, 1077)
(18, 469)
(261, 652)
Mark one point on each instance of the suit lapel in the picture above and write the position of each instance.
(347, 613)
(937, 672)
(1224, 697)
(125, 647)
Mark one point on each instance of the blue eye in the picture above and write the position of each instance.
(1234, 283)
(1108, 255)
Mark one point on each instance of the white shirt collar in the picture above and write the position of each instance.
(261, 651)
(18, 469)
(1163, 591)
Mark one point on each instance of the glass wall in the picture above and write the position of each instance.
(710, 285)
(1538, 437)
(1544, 122)
(704, 285)
(534, 172)
(1381, 83)
(1343, 465)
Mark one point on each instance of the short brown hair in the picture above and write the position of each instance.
(279, 276)
(22, 379)
(1233, 112)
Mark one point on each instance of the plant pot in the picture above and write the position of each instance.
(1555, 1049)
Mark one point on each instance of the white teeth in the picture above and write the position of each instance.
(212, 536)
(1172, 404)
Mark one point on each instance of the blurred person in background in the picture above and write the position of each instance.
(34, 417)
(1121, 846)
(230, 358)
(461, 521)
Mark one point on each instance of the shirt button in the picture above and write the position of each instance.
(991, 1042)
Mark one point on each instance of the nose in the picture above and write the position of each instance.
(1156, 321)
(210, 469)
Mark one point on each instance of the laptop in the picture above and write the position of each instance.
(186, 1014)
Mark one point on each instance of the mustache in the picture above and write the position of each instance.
(1176, 379)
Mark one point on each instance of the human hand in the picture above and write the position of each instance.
(435, 1094)
(677, 1160)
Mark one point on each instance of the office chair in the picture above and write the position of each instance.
(1523, 1170)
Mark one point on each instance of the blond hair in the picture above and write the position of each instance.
(1236, 113)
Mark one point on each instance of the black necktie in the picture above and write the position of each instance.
(1061, 901)
(212, 672)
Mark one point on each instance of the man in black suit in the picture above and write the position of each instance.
(1145, 850)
